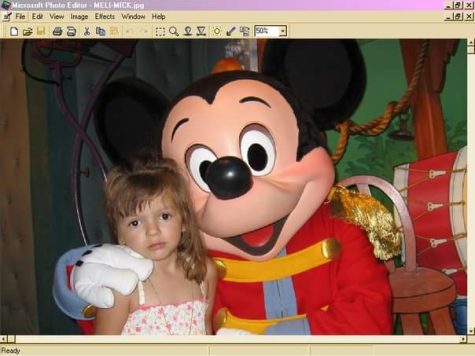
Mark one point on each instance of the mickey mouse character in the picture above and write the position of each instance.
(261, 182)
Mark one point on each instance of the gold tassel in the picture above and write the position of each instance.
(372, 216)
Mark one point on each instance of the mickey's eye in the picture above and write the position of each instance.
(258, 149)
(198, 159)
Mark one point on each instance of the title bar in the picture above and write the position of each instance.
(225, 5)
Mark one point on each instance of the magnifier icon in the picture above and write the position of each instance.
(173, 31)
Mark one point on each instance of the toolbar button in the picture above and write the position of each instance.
(100, 31)
(160, 31)
(114, 31)
(216, 31)
(245, 30)
(40, 30)
(57, 31)
(71, 31)
(27, 31)
(230, 31)
(173, 31)
(201, 30)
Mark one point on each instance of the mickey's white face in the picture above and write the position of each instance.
(249, 192)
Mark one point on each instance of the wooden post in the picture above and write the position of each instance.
(426, 106)
(261, 44)
(18, 294)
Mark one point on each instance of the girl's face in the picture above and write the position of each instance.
(154, 232)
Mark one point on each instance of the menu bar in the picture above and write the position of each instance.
(85, 16)
(197, 16)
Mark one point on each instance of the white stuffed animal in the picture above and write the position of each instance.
(108, 266)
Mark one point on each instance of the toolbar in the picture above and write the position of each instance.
(117, 30)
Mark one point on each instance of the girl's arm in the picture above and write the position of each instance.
(110, 321)
(210, 279)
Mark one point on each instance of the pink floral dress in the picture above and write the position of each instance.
(187, 318)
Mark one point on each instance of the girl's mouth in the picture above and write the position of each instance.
(156, 246)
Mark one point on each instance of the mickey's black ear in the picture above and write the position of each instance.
(127, 117)
(328, 76)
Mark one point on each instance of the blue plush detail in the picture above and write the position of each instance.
(66, 300)
(279, 296)
(290, 327)
(460, 321)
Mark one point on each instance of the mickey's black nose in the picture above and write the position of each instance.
(229, 177)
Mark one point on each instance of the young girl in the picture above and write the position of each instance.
(149, 210)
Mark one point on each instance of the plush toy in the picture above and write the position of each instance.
(291, 259)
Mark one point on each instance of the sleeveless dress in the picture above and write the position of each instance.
(186, 318)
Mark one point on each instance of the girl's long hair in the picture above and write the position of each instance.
(136, 182)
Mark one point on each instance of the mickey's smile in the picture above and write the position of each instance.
(260, 241)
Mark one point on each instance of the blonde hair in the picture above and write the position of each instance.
(134, 184)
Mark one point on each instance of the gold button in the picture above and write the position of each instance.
(220, 268)
(331, 248)
(220, 318)
(89, 311)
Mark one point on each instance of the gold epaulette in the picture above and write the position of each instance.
(369, 214)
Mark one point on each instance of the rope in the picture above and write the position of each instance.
(431, 247)
(343, 128)
(377, 125)
(418, 170)
(427, 178)
(426, 212)
(455, 237)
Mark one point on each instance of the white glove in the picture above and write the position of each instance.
(232, 332)
(108, 266)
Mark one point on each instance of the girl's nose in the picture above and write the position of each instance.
(152, 229)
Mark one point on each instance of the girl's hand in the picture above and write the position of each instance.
(108, 266)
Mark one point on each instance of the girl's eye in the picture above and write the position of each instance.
(134, 223)
(165, 216)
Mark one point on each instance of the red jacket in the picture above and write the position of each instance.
(354, 286)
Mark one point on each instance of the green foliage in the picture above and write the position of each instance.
(379, 155)
(456, 134)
